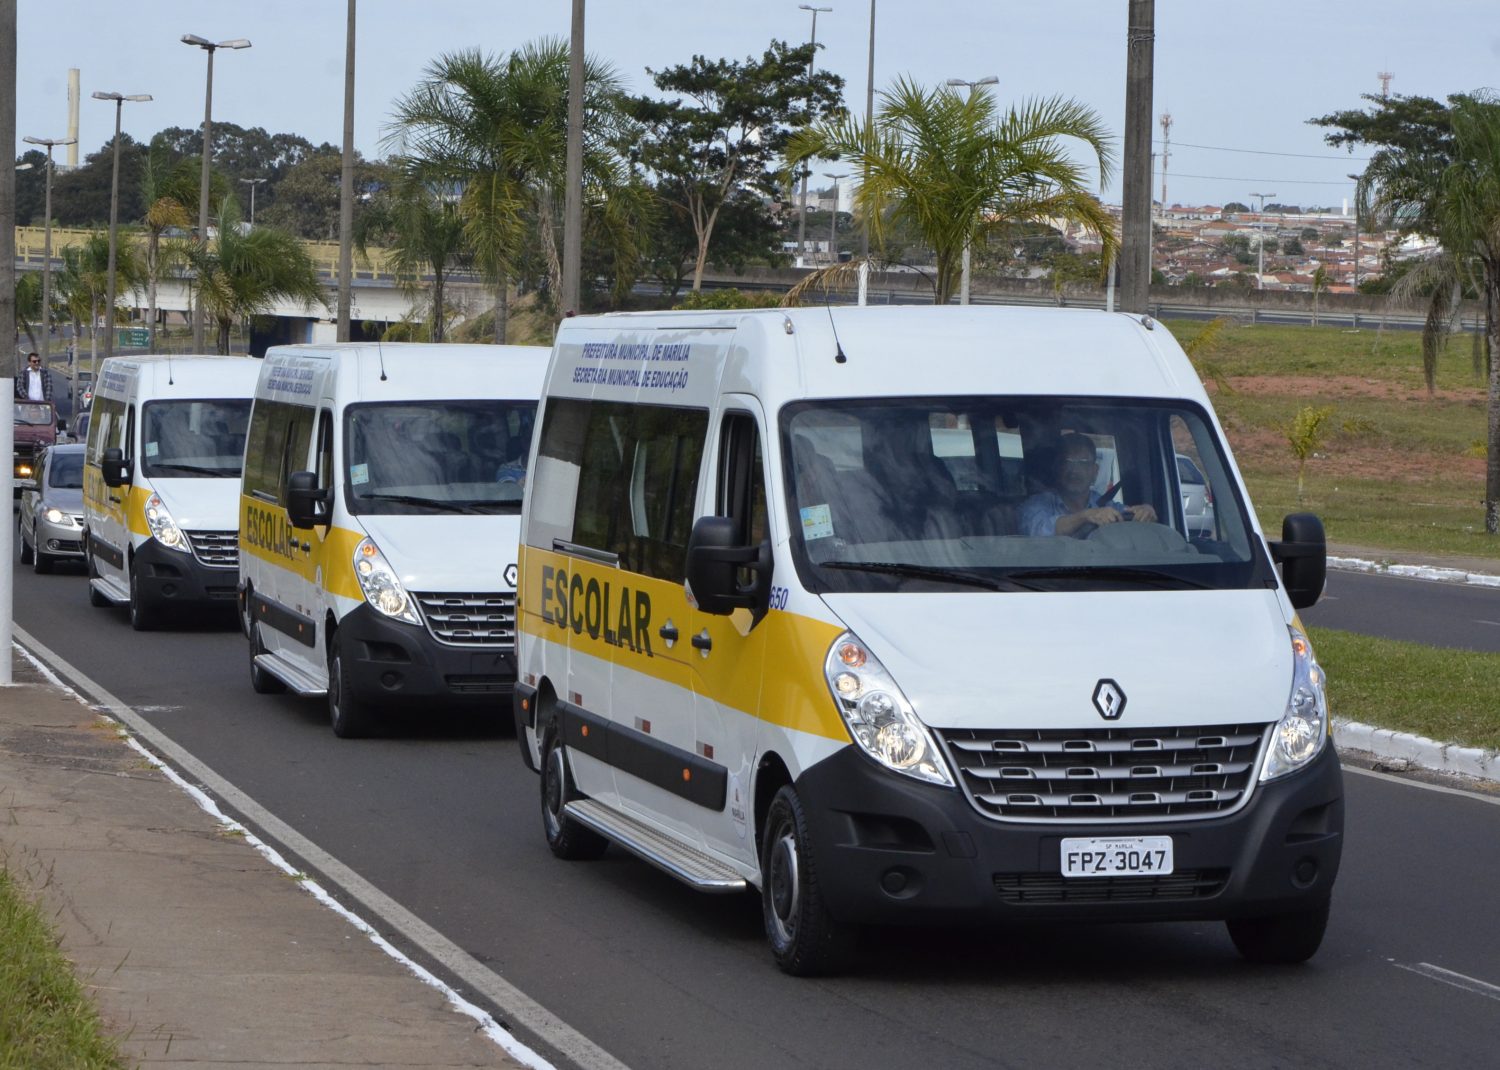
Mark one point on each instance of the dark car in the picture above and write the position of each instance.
(50, 517)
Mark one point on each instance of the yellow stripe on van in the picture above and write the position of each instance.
(615, 615)
(266, 533)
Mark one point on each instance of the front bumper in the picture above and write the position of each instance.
(171, 579)
(58, 540)
(891, 850)
(392, 662)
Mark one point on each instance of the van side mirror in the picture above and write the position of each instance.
(1302, 554)
(712, 560)
(115, 469)
(306, 505)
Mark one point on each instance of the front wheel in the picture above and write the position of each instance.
(1284, 939)
(25, 546)
(350, 717)
(805, 940)
(566, 837)
(142, 616)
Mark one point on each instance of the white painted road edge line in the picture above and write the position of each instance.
(513, 1003)
(1448, 977)
(1415, 572)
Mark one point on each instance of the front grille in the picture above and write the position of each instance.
(1034, 888)
(479, 685)
(1106, 774)
(216, 549)
(487, 620)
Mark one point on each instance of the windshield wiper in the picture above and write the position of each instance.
(932, 572)
(197, 469)
(1145, 576)
(442, 505)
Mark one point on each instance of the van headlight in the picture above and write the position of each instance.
(163, 528)
(381, 587)
(877, 714)
(1300, 734)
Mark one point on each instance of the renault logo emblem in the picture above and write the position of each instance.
(1109, 700)
(510, 575)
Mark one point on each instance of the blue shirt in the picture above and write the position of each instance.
(1039, 512)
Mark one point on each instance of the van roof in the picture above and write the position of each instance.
(925, 350)
(430, 370)
(191, 376)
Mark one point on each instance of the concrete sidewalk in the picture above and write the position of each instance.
(197, 950)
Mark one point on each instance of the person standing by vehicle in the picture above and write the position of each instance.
(35, 383)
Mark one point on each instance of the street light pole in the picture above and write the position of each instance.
(1356, 232)
(252, 183)
(963, 287)
(833, 226)
(802, 200)
(1260, 252)
(114, 217)
(864, 240)
(50, 142)
(346, 190)
(208, 128)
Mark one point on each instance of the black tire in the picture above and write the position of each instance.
(350, 718)
(805, 940)
(143, 618)
(261, 681)
(42, 563)
(1282, 940)
(25, 546)
(567, 839)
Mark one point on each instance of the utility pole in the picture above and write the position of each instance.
(8, 308)
(572, 265)
(1166, 153)
(802, 197)
(114, 216)
(1260, 252)
(346, 188)
(864, 240)
(1356, 232)
(1135, 211)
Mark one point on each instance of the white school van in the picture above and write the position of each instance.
(379, 515)
(794, 616)
(161, 482)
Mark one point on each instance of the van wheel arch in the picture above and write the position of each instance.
(771, 775)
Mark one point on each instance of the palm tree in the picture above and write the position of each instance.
(421, 228)
(1455, 198)
(166, 190)
(959, 172)
(498, 128)
(83, 283)
(28, 306)
(242, 272)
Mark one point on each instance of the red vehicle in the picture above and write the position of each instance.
(36, 428)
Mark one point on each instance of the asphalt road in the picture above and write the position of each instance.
(1421, 611)
(441, 815)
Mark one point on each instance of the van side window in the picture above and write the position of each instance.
(106, 427)
(276, 446)
(634, 470)
(324, 468)
(742, 483)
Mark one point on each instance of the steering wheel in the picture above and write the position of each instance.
(1141, 537)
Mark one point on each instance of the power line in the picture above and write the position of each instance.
(1264, 152)
(1288, 181)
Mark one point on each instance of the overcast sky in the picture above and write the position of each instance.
(1239, 79)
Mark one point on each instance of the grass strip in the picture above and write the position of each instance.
(46, 1018)
(1443, 694)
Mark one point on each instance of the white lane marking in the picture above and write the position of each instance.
(1496, 623)
(1448, 977)
(1493, 800)
(514, 1004)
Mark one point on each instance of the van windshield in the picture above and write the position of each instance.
(437, 456)
(200, 439)
(1022, 493)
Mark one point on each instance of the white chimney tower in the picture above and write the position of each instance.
(73, 117)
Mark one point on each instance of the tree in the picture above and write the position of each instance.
(720, 139)
(497, 130)
(959, 172)
(1234, 207)
(243, 271)
(744, 231)
(239, 152)
(28, 306)
(167, 190)
(83, 283)
(80, 198)
(307, 197)
(1304, 435)
(420, 226)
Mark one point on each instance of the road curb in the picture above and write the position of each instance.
(1405, 750)
(1417, 572)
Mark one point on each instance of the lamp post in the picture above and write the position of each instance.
(1260, 252)
(963, 288)
(114, 217)
(50, 142)
(1356, 232)
(208, 127)
(833, 226)
(252, 183)
(802, 199)
(864, 240)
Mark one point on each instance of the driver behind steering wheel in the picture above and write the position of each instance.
(1071, 507)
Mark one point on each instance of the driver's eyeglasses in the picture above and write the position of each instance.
(1080, 462)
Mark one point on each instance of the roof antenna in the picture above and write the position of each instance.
(380, 350)
(838, 349)
(169, 369)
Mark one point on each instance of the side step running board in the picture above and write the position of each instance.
(686, 863)
(117, 593)
(294, 676)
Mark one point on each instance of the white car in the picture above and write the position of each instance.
(1197, 499)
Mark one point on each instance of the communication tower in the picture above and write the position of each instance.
(1166, 152)
(1385, 83)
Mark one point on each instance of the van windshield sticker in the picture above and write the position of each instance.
(152, 449)
(817, 522)
(359, 473)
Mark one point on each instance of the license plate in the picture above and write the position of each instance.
(1127, 856)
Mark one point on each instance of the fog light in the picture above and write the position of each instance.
(1305, 872)
(169, 589)
(390, 680)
